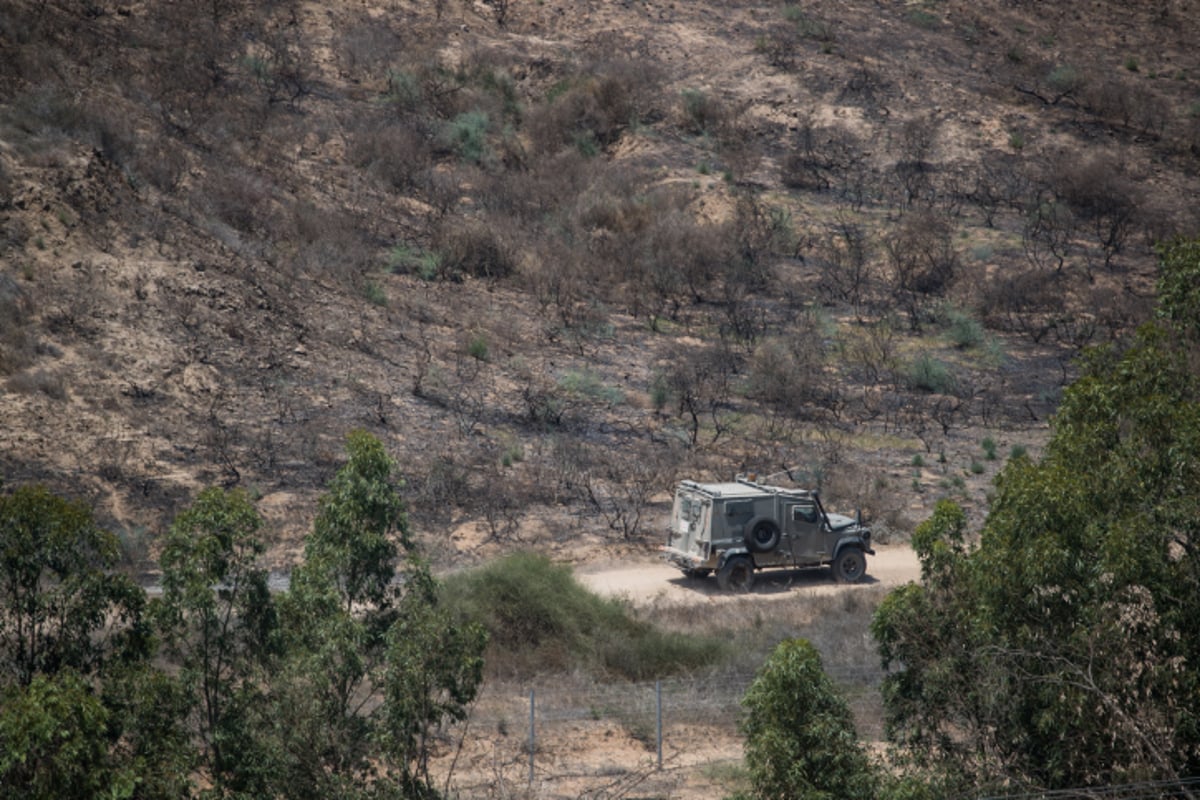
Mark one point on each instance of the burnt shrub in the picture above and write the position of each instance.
(787, 372)
(1100, 194)
(240, 200)
(922, 260)
(591, 110)
(702, 112)
(820, 156)
(17, 344)
(472, 248)
(843, 258)
(397, 153)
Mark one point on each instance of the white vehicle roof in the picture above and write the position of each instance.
(740, 489)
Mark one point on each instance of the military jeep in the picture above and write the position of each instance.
(736, 528)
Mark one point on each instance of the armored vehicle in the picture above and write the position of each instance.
(737, 528)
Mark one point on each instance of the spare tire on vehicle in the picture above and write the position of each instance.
(763, 537)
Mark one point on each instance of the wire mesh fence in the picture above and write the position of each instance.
(571, 737)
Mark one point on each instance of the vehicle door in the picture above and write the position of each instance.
(804, 532)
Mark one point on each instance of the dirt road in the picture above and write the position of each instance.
(652, 580)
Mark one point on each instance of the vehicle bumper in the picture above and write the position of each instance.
(686, 561)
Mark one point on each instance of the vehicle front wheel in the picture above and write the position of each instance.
(737, 574)
(850, 566)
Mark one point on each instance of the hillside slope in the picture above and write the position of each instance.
(557, 255)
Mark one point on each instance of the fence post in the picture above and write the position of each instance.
(658, 725)
(532, 736)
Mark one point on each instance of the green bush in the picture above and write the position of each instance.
(929, 374)
(1065, 79)
(477, 348)
(963, 330)
(589, 385)
(540, 619)
(989, 448)
(466, 135)
(375, 294)
(800, 737)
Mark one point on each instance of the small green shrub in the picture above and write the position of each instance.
(1065, 79)
(513, 453)
(477, 348)
(588, 385)
(660, 392)
(989, 448)
(976, 467)
(375, 294)
(963, 330)
(1016, 141)
(922, 19)
(982, 252)
(586, 144)
(466, 135)
(1017, 451)
(1131, 63)
(918, 460)
(928, 374)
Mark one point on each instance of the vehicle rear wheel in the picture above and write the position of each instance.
(736, 574)
(850, 566)
(764, 538)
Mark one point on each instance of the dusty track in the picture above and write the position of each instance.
(651, 580)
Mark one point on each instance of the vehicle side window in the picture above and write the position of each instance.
(804, 513)
(739, 509)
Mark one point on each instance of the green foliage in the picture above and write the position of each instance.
(800, 738)
(351, 551)
(60, 604)
(477, 348)
(426, 265)
(356, 623)
(1065, 79)
(1179, 285)
(922, 19)
(660, 391)
(54, 742)
(929, 374)
(588, 385)
(963, 330)
(466, 134)
(540, 618)
(218, 621)
(1062, 651)
(375, 294)
(989, 448)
